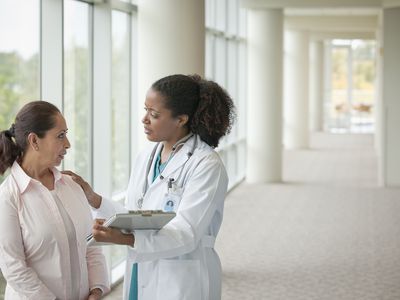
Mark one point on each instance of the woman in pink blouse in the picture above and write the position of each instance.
(44, 215)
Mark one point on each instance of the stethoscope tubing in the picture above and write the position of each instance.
(174, 151)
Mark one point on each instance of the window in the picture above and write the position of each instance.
(352, 81)
(120, 100)
(121, 125)
(77, 59)
(19, 57)
(226, 64)
(77, 86)
(363, 83)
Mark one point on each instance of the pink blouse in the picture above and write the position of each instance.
(34, 250)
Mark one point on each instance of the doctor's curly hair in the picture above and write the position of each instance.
(210, 108)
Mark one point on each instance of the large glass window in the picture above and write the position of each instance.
(120, 100)
(120, 103)
(19, 57)
(19, 62)
(226, 64)
(363, 83)
(353, 75)
(340, 106)
(77, 86)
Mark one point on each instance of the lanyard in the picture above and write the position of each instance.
(175, 148)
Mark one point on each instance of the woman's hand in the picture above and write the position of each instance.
(111, 235)
(93, 198)
(95, 294)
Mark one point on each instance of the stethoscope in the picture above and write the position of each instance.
(175, 148)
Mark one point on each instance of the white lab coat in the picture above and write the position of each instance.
(178, 262)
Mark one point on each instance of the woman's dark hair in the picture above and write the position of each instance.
(37, 117)
(210, 109)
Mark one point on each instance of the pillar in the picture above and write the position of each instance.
(265, 64)
(296, 127)
(390, 97)
(316, 86)
(171, 40)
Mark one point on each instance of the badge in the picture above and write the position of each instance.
(169, 205)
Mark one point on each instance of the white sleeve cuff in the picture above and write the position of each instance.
(107, 209)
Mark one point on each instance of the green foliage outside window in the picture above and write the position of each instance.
(19, 84)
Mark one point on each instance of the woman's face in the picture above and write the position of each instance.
(53, 146)
(159, 125)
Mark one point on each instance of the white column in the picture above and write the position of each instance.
(391, 92)
(171, 39)
(296, 128)
(265, 64)
(316, 85)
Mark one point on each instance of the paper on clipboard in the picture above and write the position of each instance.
(135, 220)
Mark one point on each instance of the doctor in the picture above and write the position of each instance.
(186, 116)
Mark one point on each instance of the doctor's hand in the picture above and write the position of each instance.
(111, 235)
(93, 198)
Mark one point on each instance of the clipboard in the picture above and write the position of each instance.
(135, 220)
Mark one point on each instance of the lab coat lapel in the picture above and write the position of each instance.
(176, 162)
(151, 172)
(179, 159)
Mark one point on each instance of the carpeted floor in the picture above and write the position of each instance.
(328, 232)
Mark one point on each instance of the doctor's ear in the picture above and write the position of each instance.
(33, 141)
(182, 120)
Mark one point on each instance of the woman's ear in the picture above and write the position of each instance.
(33, 141)
(182, 120)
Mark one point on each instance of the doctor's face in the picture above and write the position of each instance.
(159, 124)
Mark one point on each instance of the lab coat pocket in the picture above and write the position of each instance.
(179, 279)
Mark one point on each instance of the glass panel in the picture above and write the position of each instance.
(232, 80)
(210, 13)
(233, 17)
(226, 64)
(19, 58)
(120, 100)
(241, 103)
(77, 86)
(353, 78)
(220, 13)
(232, 158)
(362, 101)
(220, 61)
(242, 22)
(241, 157)
(121, 79)
(210, 41)
(232, 69)
(339, 108)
